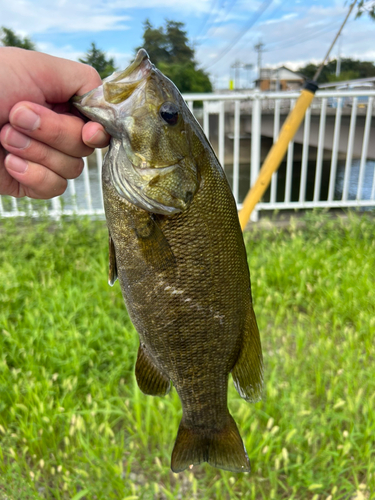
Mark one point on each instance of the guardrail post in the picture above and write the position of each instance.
(221, 133)
(99, 165)
(206, 120)
(255, 146)
(86, 179)
(349, 153)
(366, 137)
(236, 149)
(56, 208)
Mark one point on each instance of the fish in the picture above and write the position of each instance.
(176, 247)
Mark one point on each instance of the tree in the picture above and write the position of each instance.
(366, 7)
(169, 49)
(155, 42)
(98, 60)
(350, 70)
(178, 43)
(9, 39)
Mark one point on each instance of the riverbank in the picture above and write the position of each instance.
(73, 424)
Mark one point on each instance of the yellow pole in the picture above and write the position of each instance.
(277, 152)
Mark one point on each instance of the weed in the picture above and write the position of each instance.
(74, 425)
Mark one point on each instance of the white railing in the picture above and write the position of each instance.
(330, 163)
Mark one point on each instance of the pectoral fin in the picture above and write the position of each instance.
(112, 271)
(153, 244)
(248, 371)
(149, 378)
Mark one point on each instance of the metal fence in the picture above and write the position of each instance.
(330, 163)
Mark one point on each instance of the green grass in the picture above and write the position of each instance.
(73, 424)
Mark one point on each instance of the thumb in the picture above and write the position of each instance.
(59, 79)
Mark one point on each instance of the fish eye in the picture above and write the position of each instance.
(169, 112)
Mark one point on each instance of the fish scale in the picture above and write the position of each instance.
(177, 249)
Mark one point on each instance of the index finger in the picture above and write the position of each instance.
(56, 79)
(59, 131)
(64, 78)
(8, 185)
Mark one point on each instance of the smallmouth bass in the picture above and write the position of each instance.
(176, 247)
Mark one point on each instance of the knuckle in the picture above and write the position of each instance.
(60, 189)
(13, 189)
(58, 135)
(43, 153)
(95, 74)
(75, 169)
(50, 184)
(80, 167)
(88, 150)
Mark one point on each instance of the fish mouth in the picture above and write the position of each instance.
(136, 71)
(119, 86)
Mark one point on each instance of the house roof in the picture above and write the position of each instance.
(281, 73)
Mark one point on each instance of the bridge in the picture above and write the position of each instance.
(330, 163)
(324, 112)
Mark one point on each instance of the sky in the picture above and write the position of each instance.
(293, 32)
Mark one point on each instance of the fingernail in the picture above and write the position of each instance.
(16, 164)
(25, 118)
(17, 140)
(98, 138)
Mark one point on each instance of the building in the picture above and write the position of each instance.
(281, 78)
(357, 84)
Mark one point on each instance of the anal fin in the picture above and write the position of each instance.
(248, 371)
(150, 379)
(221, 448)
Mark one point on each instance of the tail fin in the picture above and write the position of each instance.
(222, 448)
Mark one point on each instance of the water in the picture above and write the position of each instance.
(367, 184)
(366, 191)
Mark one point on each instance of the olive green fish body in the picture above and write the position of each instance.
(183, 273)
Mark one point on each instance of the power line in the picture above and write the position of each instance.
(319, 70)
(253, 20)
(273, 12)
(299, 39)
(289, 42)
(207, 17)
(232, 4)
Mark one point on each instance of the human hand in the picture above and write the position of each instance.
(39, 128)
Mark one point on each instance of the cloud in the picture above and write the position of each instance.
(66, 16)
(293, 33)
(193, 6)
(286, 17)
(122, 59)
(65, 51)
(301, 34)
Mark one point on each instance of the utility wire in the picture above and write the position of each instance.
(273, 12)
(319, 70)
(289, 42)
(207, 17)
(210, 22)
(232, 4)
(246, 28)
